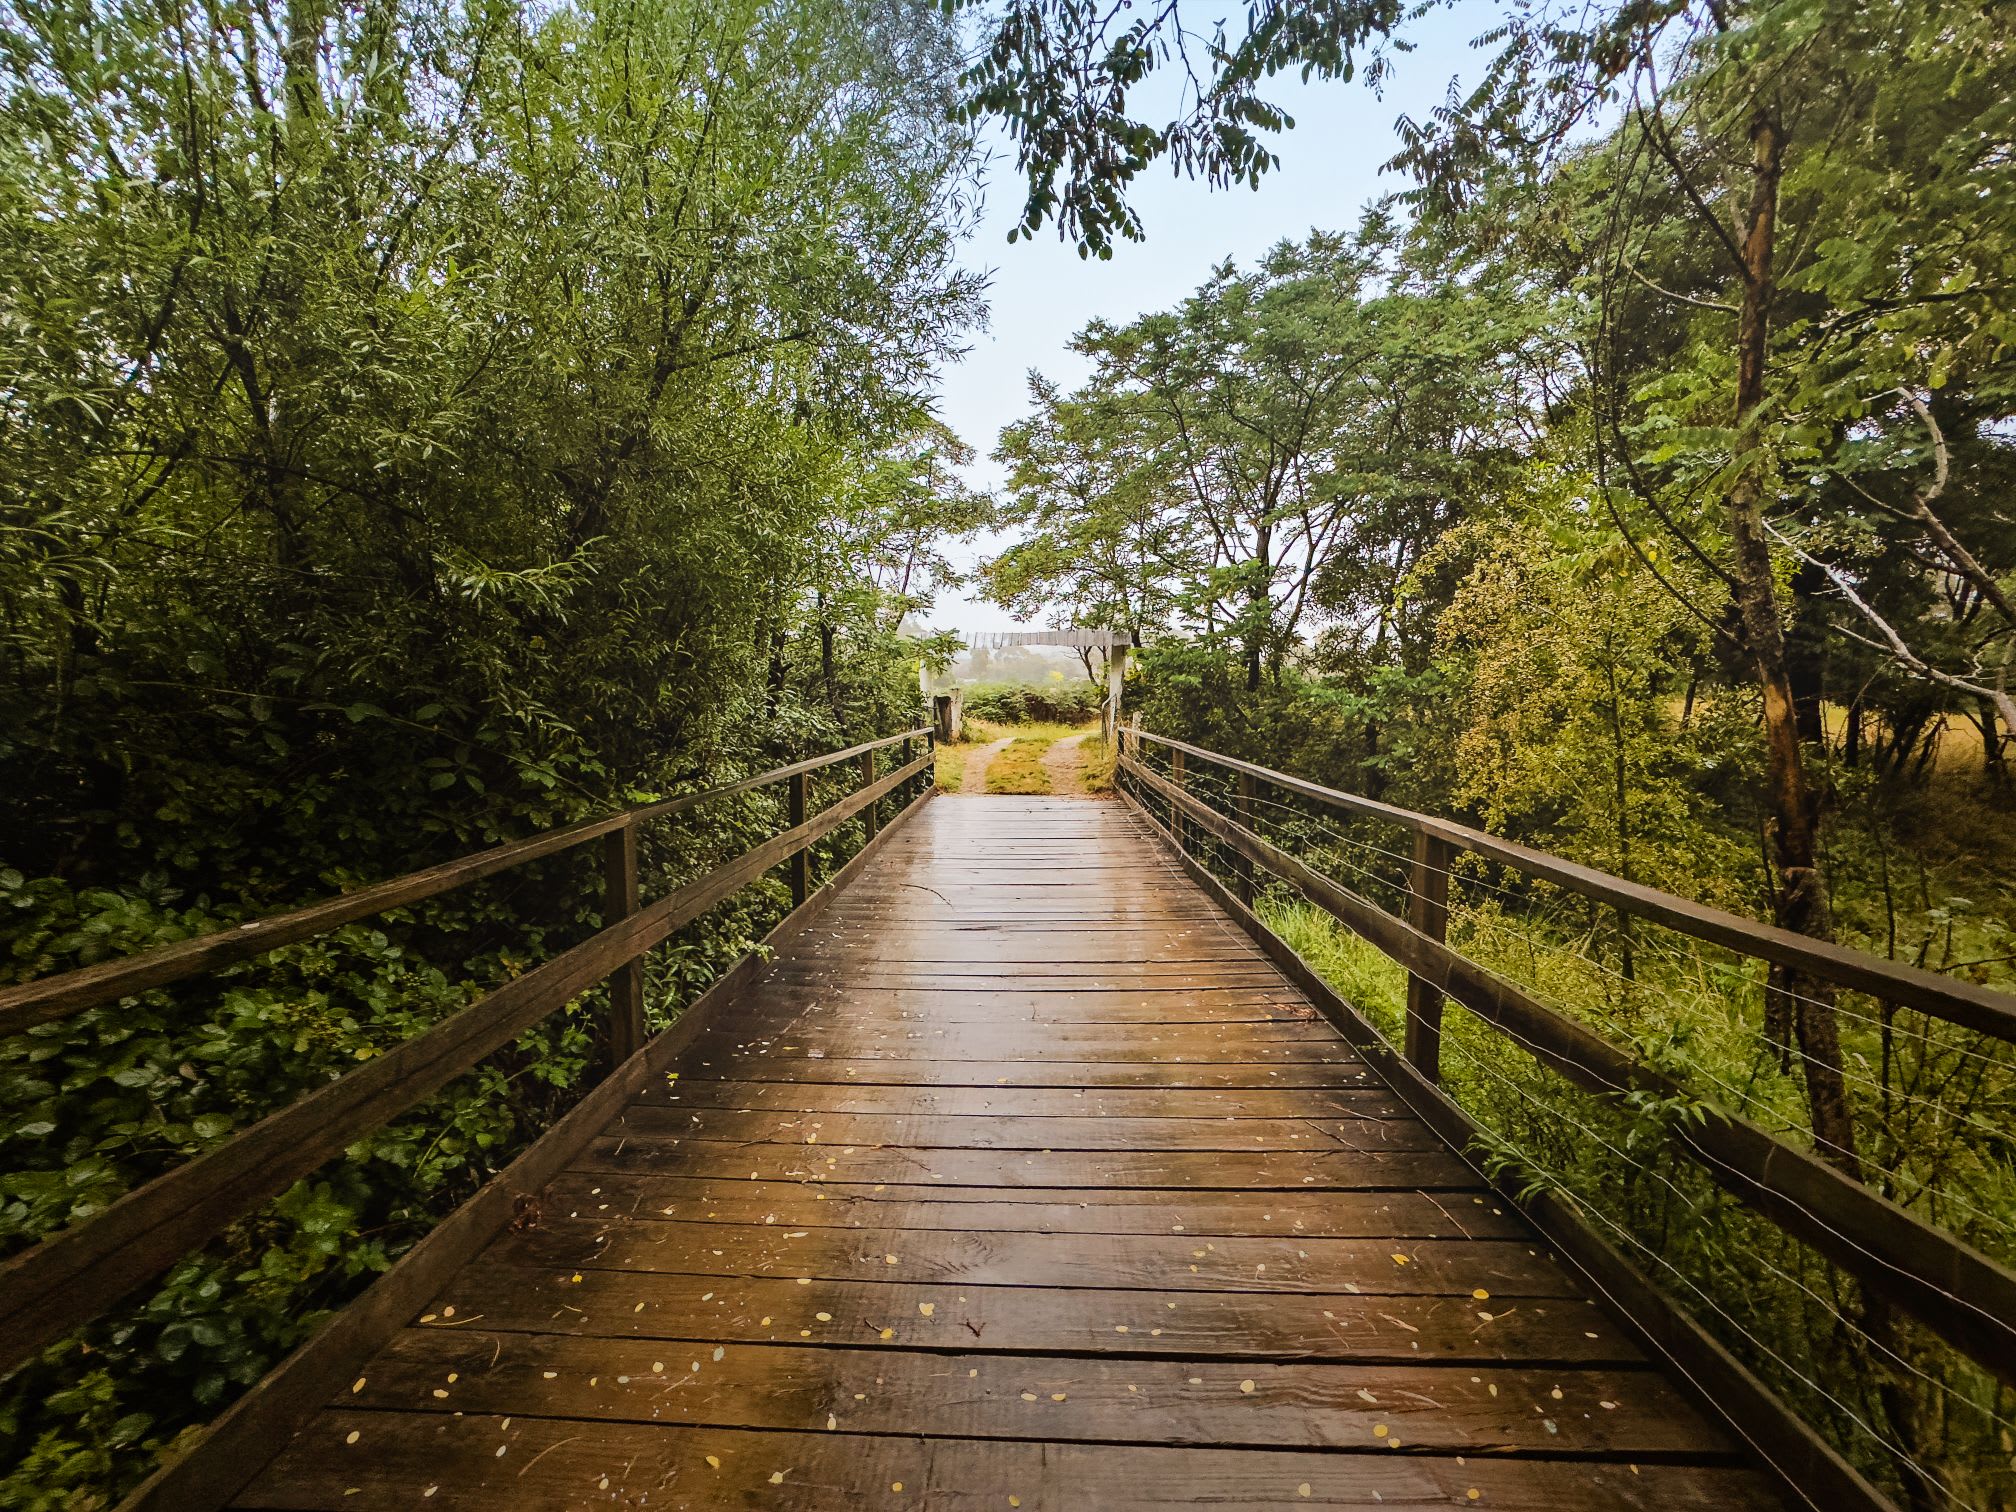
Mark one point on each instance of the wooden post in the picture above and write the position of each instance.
(1427, 911)
(1178, 826)
(1116, 676)
(626, 982)
(801, 861)
(1242, 864)
(947, 712)
(870, 816)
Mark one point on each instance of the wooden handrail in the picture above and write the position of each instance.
(1963, 1003)
(1811, 1470)
(1963, 1295)
(30, 1003)
(78, 1272)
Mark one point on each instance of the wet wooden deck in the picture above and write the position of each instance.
(1021, 1180)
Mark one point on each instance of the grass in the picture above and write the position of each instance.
(950, 771)
(979, 731)
(1098, 774)
(1363, 974)
(1019, 768)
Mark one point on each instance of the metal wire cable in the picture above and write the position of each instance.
(1553, 1112)
(1845, 1238)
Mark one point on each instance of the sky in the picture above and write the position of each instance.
(1041, 292)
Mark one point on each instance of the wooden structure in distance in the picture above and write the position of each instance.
(1020, 1177)
(1115, 643)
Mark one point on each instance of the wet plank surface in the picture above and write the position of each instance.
(1021, 1180)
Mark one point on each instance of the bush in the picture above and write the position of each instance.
(1033, 703)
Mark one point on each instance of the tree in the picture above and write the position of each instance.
(421, 423)
(1721, 111)
(1276, 453)
(1059, 74)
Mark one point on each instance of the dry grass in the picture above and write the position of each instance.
(1019, 768)
(980, 731)
(1098, 774)
(950, 770)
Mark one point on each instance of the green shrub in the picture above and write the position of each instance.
(1033, 703)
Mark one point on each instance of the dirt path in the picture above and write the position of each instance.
(1065, 762)
(974, 777)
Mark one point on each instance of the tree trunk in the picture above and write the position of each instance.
(1797, 1006)
(1991, 743)
(1805, 652)
(1257, 599)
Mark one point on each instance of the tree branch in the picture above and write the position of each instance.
(1895, 643)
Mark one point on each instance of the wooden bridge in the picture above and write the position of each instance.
(1028, 1172)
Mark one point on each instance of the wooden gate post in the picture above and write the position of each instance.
(626, 982)
(801, 861)
(1242, 864)
(1427, 911)
(871, 815)
(1116, 678)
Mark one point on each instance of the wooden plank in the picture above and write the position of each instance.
(1809, 1470)
(1178, 1170)
(1163, 1263)
(208, 1472)
(649, 1198)
(1029, 1102)
(1354, 1407)
(983, 954)
(1961, 1294)
(952, 1131)
(496, 1294)
(1344, 1071)
(452, 1464)
(1101, 1012)
(870, 969)
(994, 1041)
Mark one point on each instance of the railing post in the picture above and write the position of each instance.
(1242, 864)
(1427, 911)
(801, 860)
(626, 982)
(870, 815)
(1177, 826)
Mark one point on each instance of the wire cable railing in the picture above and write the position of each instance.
(1653, 1010)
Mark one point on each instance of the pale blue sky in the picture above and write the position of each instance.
(1042, 292)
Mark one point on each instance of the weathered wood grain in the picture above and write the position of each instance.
(1022, 1177)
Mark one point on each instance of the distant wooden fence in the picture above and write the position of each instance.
(1964, 1296)
(81, 1271)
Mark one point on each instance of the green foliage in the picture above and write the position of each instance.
(1099, 760)
(422, 425)
(1058, 74)
(1537, 511)
(1033, 703)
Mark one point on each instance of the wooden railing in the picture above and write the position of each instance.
(1964, 1296)
(76, 1274)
